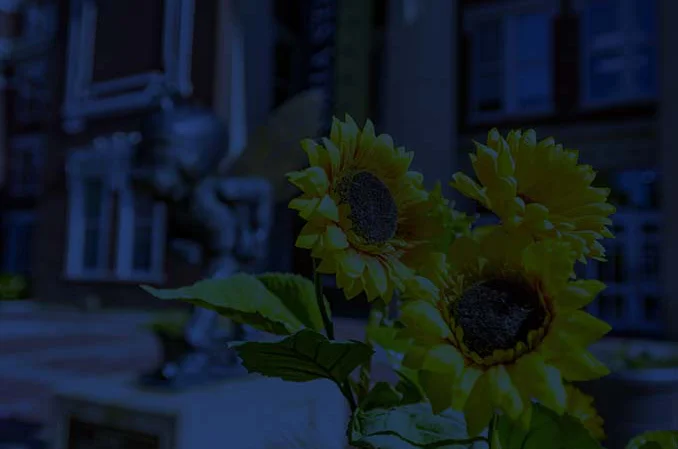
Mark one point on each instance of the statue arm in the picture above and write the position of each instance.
(257, 195)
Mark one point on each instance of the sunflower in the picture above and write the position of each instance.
(369, 219)
(657, 439)
(506, 328)
(540, 188)
(580, 406)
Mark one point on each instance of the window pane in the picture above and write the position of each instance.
(138, 49)
(603, 17)
(533, 37)
(645, 14)
(143, 209)
(91, 248)
(645, 70)
(143, 233)
(94, 189)
(489, 41)
(534, 86)
(489, 92)
(143, 248)
(605, 75)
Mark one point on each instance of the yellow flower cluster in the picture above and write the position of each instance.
(493, 314)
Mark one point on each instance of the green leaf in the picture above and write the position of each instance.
(409, 387)
(655, 440)
(409, 427)
(247, 300)
(385, 395)
(387, 338)
(297, 293)
(382, 395)
(303, 357)
(547, 430)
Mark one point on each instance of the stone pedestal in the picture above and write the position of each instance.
(248, 413)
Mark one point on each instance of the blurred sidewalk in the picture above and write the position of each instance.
(42, 347)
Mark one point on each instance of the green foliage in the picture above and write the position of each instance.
(303, 357)
(170, 324)
(408, 427)
(655, 440)
(12, 287)
(547, 430)
(409, 387)
(382, 395)
(385, 395)
(278, 303)
(297, 294)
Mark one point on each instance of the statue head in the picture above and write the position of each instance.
(179, 146)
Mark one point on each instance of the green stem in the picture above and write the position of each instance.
(348, 394)
(317, 281)
(492, 429)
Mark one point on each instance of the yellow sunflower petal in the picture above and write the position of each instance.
(377, 274)
(333, 153)
(335, 238)
(540, 381)
(479, 407)
(580, 406)
(351, 263)
(580, 293)
(577, 365)
(368, 136)
(505, 394)
(579, 328)
(327, 208)
(423, 317)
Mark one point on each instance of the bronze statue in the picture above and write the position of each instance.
(183, 160)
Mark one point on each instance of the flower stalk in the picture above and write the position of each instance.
(318, 283)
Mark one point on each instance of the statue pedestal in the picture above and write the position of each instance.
(246, 413)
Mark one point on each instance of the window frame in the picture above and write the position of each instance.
(635, 288)
(109, 158)
(628, 92)
(506, 14)
(126, 236)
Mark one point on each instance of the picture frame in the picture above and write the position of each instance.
(85, 98)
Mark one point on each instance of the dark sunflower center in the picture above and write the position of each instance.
(497, 314)
(373, 210)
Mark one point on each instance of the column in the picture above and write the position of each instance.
(668, 120)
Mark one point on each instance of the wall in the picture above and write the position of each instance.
(419, 84)
(50, 283)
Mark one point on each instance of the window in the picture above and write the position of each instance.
(17, 242)
(511, 62)
(141, 236)
(96, 209)
(25, 165)
(619, 50)
(114, 233)
(630, 301)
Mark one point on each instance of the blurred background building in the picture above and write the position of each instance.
(436, 74)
